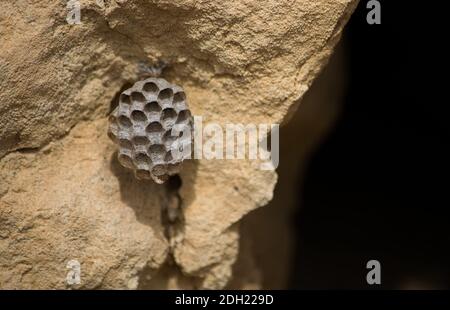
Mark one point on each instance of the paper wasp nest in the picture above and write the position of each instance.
(153, 127)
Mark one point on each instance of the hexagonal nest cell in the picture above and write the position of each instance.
(149, 125)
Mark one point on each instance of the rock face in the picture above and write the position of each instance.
(74, 201)
(64, 196)
(274, 249)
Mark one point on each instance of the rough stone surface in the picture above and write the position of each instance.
(75, 201)
(62, 193)
(274, 249)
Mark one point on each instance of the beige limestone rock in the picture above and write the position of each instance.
(271, 232)
(73, 200)
(62, 195)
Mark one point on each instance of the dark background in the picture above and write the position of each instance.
(377, 188)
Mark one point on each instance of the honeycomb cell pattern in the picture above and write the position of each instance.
(142, 124)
